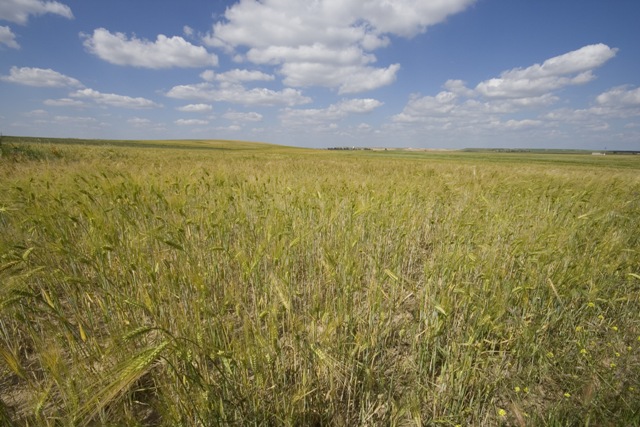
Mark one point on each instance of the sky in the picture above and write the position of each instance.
(325, 73)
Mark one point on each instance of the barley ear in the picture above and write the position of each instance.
(117, 382)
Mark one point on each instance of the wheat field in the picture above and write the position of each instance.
(219, 283)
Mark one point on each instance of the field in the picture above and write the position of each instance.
(220, 283)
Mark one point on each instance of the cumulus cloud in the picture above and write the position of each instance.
(139, 122)
(281, 22)
(419, 107)
(236, 76)
(230, 128)
(238, 94)
(63, 102)
(572, 68)
(113, 100)
(335, 112)
(36, 113)
(39, 77)
(620, 97)
(18, 11)
(165, 52)
(458, 87)
(515, 90)
(348, 79)
(195, 108)
(191, 122)
(66, 122)
(146, 124)
(8, 38)
(188, 31)
(326, 43)
(76, 120)
(237, 116)
(317, 53)
(521, 124)
(583, 120)
(359, 106)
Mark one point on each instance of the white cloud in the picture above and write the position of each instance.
(622, 102)
(8, 38)
(453, 113)
(521, 124)
(572, 68)
(195, 108)
(237, 116)
(335, 112)
(516, 90)
(18, 11)
(459, 87)
(283, 22)
(236, 76)
(364, 127)
(208, 75)
(565, 115)
(419, 108)
(230, 128)
(238, 94)
(39, 77)
(316, 53)
(348, 79)
(36, 113)
(581, 118)
(139, 122)
(358, 106)
(326, 42)
(528, 102)
(74, 120)
(113, 100)
(165, 52)
(146, 124)
(619, 97)
(63, 102)
(408, 17)
(191, 122)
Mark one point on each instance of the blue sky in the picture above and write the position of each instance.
(323, 73)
